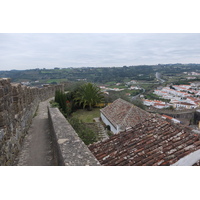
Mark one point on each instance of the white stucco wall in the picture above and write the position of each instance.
(112, 128)
(188, 160)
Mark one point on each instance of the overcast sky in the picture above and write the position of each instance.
(45, 50)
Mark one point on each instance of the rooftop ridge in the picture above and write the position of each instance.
(122, 114)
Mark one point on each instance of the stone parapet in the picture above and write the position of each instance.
(18, 105)
(69, 149)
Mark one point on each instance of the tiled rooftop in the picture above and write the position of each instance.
(123, 113)
(152, 142)
(168, 117)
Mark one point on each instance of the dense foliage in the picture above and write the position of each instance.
(88, 95)
(86, 134)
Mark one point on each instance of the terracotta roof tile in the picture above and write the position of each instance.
(168, 117)
(152, 142)
(123, 113)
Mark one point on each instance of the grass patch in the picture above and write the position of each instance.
(49, 81)
(118, 86)
(85, 115)
(110, 83)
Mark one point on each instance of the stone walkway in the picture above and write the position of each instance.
(37, 146)
(102, 131)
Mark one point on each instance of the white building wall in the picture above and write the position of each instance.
(112, 128)
(188, 160)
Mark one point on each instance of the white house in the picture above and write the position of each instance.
(147, 102)
(161, 105)
(176, 121)
(121, 115)
(185, 105)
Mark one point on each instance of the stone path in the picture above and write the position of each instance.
(37, 146)
(102, 131)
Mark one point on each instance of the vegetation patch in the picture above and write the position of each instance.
(87, 135)
(152, 96)
(55, 81)
(85, 116)
(84, 96)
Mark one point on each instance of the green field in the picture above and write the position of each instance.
(49, 81)
(86, 116)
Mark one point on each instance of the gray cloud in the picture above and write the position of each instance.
(23, 51)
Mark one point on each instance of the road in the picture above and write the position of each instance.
(136, 96)
(158, 77)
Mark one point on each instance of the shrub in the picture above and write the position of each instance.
(85, 133)
(54, 104)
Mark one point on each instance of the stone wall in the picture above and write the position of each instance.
(69, 149)
(185, 115)
(18, 105)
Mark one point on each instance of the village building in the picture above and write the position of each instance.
(198, 93)
(191, 77)
(182, 96)
(194, 73)
(184, 105)
(195, 85)
(176, 121)
(148, 102)
(160, 105)
(182, 87)
(154, 142)
(156, 103)
(134, 88)
(121, 115)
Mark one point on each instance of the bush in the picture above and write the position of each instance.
(60, 98)
(54, 104)
(86, 134)
(138, 103)
(65, 105)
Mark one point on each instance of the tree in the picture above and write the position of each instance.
(139, 103)
(60, 98)
(88, 95)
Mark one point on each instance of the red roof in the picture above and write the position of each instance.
(187, 104)
(123, 113)
(157, 101)
(153, 142)
(168, 117)
(147, 100)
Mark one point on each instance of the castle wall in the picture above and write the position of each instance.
(18, 105)
(68, 148)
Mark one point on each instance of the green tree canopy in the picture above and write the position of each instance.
(88, 95)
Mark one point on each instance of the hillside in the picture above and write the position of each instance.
(99, 74)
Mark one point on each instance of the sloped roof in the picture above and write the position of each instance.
(123, 113)
(153, 142)
(168, 117)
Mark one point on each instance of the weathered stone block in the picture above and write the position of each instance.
(15, 99)
(2, 133)
(1, 92)
(1, 107)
